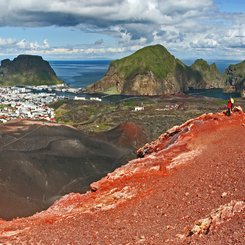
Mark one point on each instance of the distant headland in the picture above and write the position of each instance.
(27, 70)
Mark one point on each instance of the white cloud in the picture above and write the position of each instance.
(184, 26)
(204, 43)
(94, 11)
(12, 46)
(31, 46)
(6, 41)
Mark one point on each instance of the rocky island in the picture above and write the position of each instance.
(154, 71)
(27, 70)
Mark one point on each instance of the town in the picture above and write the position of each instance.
(32, 102)
(22, 102)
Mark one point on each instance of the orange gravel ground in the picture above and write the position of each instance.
(188, 173)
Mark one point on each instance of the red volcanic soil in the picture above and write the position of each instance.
(188, 188)
(127, 135)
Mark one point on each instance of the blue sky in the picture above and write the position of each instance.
(109, 29)
(231, 6)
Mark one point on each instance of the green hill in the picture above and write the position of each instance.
(27, 70)
(155, 59)
(151, 70)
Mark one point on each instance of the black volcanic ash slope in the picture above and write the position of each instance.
(40, 163)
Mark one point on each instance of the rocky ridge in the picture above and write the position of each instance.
(187, 188)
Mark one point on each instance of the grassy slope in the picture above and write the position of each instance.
(152, 58)
(239, 68)
(209, 72)
(29, 80)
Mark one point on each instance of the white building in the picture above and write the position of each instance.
(79, 98)
(139, 108)
(95, 98)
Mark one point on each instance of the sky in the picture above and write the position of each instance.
(111, 29)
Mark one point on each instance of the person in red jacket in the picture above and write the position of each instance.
(229, 105)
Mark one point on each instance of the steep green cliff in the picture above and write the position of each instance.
(153, 71)
(209, 73)
(235, 78)
(27, 70)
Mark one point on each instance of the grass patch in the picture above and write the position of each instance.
(152, 58)
(112, 90)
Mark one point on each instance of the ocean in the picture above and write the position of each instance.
(79, 74)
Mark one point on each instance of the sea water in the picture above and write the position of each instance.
(79, 74)
(214, 92)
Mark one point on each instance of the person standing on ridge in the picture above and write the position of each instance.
(228, 113)
(232, 103)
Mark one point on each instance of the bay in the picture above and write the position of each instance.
(214, 92)
(79, 74)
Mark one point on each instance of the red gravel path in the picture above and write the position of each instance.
(193, 172)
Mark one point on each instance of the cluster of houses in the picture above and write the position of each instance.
(169, 107)
(22, 102)
(33, 101)
(84, 98)
(55, 88)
